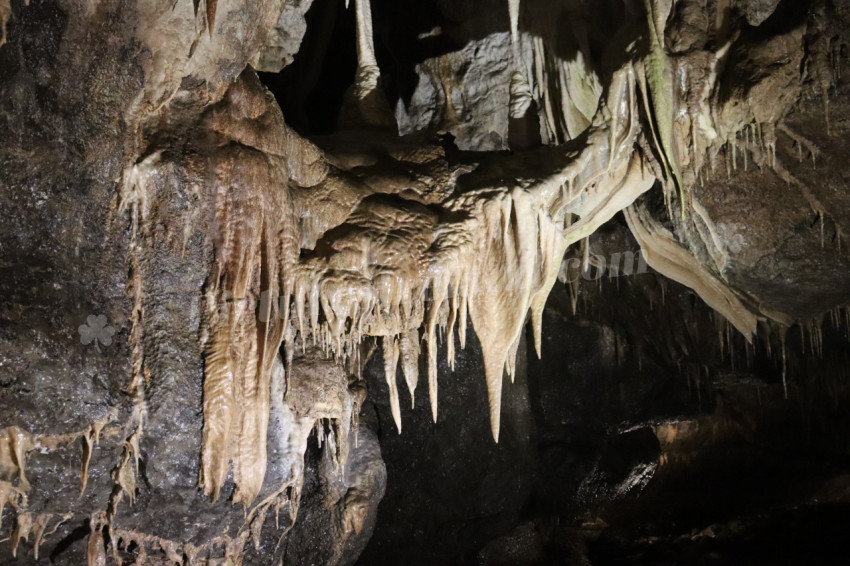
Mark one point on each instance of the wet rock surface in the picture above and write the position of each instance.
(472, 489)
(160, 215)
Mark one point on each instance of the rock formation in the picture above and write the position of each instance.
(215, 312)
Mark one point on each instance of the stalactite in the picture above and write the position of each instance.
(5, 16)
(91, 438)
(513, 12)
(38, 528)
(22, 531)
(171, 551)
(14, 445)
(397, 268)
(567, 92)
(521, 97)
(518, 231)
(409, 348)
(658, 83)
(10, 495)
(365, 45)
(211, 5)
(368, 106)
(784, 364)
(391, 349)
(489, 255)
(668, 258)
(95, 548)
(255, 214)
(124, 475)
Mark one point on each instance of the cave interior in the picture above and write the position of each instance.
(424, 282)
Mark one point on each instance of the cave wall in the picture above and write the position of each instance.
(101, 417)
(180, 266)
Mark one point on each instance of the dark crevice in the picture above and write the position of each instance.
(76, 535)
(310, 90)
